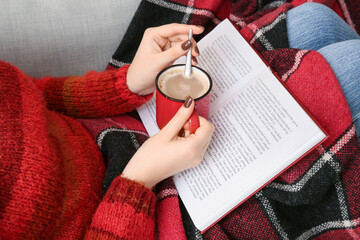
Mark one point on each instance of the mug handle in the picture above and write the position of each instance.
(194, 122)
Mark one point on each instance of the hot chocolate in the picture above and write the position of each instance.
(174, 84)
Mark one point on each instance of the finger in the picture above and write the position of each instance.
(180, 40)
(204, 148)
(195, 50)
(205, 131)
(166, 57)
(207, 143)
(170, 30)
(173, 127)
(172, 43)
(187, 126)
(186, 133)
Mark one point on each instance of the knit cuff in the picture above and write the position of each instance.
(126, 212)
(123, 90)
(132, 193)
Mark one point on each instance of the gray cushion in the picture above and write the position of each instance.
(63, 37)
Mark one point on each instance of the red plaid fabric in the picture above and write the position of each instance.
(317, 198)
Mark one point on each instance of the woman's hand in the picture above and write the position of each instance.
(159, 48)
(166, 153)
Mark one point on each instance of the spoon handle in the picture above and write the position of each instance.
(188, 58)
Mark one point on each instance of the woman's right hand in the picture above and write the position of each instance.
(159, 48)
(166, 153)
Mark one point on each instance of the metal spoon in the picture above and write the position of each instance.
(188, 58)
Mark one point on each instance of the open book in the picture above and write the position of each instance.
(260, 129)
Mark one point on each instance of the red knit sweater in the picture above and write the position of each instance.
(51, 170)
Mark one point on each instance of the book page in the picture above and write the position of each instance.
(224, 55)
(259, 129)
(258, 133)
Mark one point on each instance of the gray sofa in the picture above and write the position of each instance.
(61, 38)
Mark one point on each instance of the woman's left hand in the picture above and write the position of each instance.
(166, 153)
(159, 48)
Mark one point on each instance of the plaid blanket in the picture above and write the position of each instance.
(319, 197)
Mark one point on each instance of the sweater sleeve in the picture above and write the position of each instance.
(96, 94)
(127, 211)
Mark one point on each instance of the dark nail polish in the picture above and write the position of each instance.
(186, 45)
(194, 59)
(197, 50)
(188, 101)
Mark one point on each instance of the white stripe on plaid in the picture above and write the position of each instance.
(346, 14)
(260, 33)
(101, 136)
(325, 158)
(203, 12)
(169, 5)
(345, 139)
(170, 192)
(198, 235)
(117, 63)
(298, 57)
(271, 4)
(331, 225)
(186, 9)
(189, 10)
(237, 20)
(341, 196)
(265, 202)
(344, 210)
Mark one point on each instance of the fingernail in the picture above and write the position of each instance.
(188, 101)
(181, 133)
(197, 50)
(194, 59)
(186, 45)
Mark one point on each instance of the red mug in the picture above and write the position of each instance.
(167, 106)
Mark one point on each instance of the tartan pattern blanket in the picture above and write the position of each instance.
(317, 198)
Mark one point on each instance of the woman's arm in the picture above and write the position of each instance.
(127, 211)
(117, 91)
(96, 94)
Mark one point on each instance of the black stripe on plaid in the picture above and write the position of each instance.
(273, 35)
(117, 146)
(149, 14)
(315, 203)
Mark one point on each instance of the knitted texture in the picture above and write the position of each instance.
(93, 95)
(131, 212)
(318, 197)
(51, 170)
